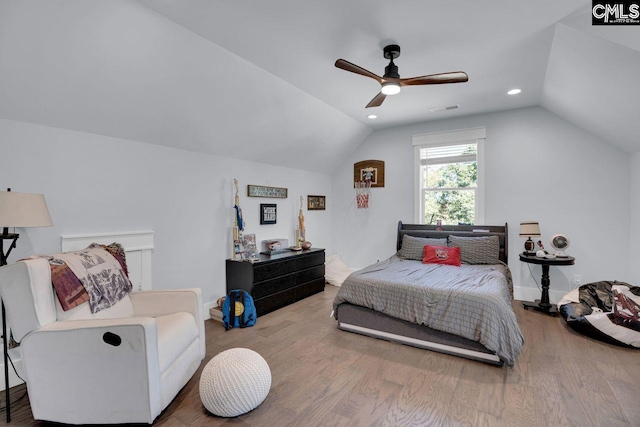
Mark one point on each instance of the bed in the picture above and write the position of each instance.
(464, 311)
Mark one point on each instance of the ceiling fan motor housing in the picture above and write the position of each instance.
(391, 71)
(391, 52)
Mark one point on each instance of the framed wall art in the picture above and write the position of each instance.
(262, 191)
(369, 170)
(268, 213)
(316, 203)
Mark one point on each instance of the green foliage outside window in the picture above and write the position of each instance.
(455, 203)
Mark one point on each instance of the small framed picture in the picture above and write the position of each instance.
(249, 245)
(316, 203)
(268, 213)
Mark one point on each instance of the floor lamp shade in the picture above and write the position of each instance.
(17, 210)
(23, 210)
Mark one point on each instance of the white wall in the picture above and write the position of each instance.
(96, 184)
(117, 68)
(634, 231)
(538, 167)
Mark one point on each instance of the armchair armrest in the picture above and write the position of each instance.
(160, 303)
(163, 302)
(118, 382)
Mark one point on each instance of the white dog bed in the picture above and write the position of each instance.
(335, 271)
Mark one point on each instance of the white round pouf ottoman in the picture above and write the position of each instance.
(234, 382)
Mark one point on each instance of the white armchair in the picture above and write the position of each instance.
(122, 365)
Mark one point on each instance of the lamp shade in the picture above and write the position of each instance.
(529, 229)
(23, 210)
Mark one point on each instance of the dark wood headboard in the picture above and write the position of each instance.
(423, 230)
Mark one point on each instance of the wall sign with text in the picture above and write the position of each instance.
(268, 214)
(262, 191)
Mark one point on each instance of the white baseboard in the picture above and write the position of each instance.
(14, 353)
(532, 294)
(208, 305)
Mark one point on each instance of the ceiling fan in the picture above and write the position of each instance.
(391, 81)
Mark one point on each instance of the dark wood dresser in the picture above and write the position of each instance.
(278, 280)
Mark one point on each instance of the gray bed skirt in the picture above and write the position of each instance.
(371, 323)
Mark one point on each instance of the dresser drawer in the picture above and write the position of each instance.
(281, 268)
(310, 260)
(273, 286)
(278, 284)
(309, 274)
(275, 301)
(309, 288)
(273, 269)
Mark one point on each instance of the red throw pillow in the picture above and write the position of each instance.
(441, 255)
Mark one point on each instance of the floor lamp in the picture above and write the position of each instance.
(17, 210)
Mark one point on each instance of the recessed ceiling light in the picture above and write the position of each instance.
(372, 116)
(514, 92)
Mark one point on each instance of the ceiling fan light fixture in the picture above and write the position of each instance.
(391, 81)
(372, 116)
(390, 88)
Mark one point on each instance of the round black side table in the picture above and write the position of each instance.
(543, 303)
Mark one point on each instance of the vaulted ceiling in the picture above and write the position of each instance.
(255, 80)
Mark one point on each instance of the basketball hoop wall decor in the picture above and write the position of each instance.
(363, 191)
(369, 170)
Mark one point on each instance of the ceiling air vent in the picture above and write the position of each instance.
(438, 109)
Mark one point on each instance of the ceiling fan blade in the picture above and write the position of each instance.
(377, 100)
(435, 79)
(348, 66)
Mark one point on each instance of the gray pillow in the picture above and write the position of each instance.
(413, 247)
(477, 250)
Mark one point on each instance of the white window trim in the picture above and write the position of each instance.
(477, 135)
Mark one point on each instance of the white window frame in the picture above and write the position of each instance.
(477, 135)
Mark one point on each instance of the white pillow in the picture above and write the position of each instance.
(335, 271)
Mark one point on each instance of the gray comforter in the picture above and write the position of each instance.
(472, 301)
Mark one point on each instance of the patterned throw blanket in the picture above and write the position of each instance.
(97, 274)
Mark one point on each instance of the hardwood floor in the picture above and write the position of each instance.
(325, 377)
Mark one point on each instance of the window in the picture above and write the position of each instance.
(449, 177)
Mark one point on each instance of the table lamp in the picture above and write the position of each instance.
(17, 210)
(529, 229)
